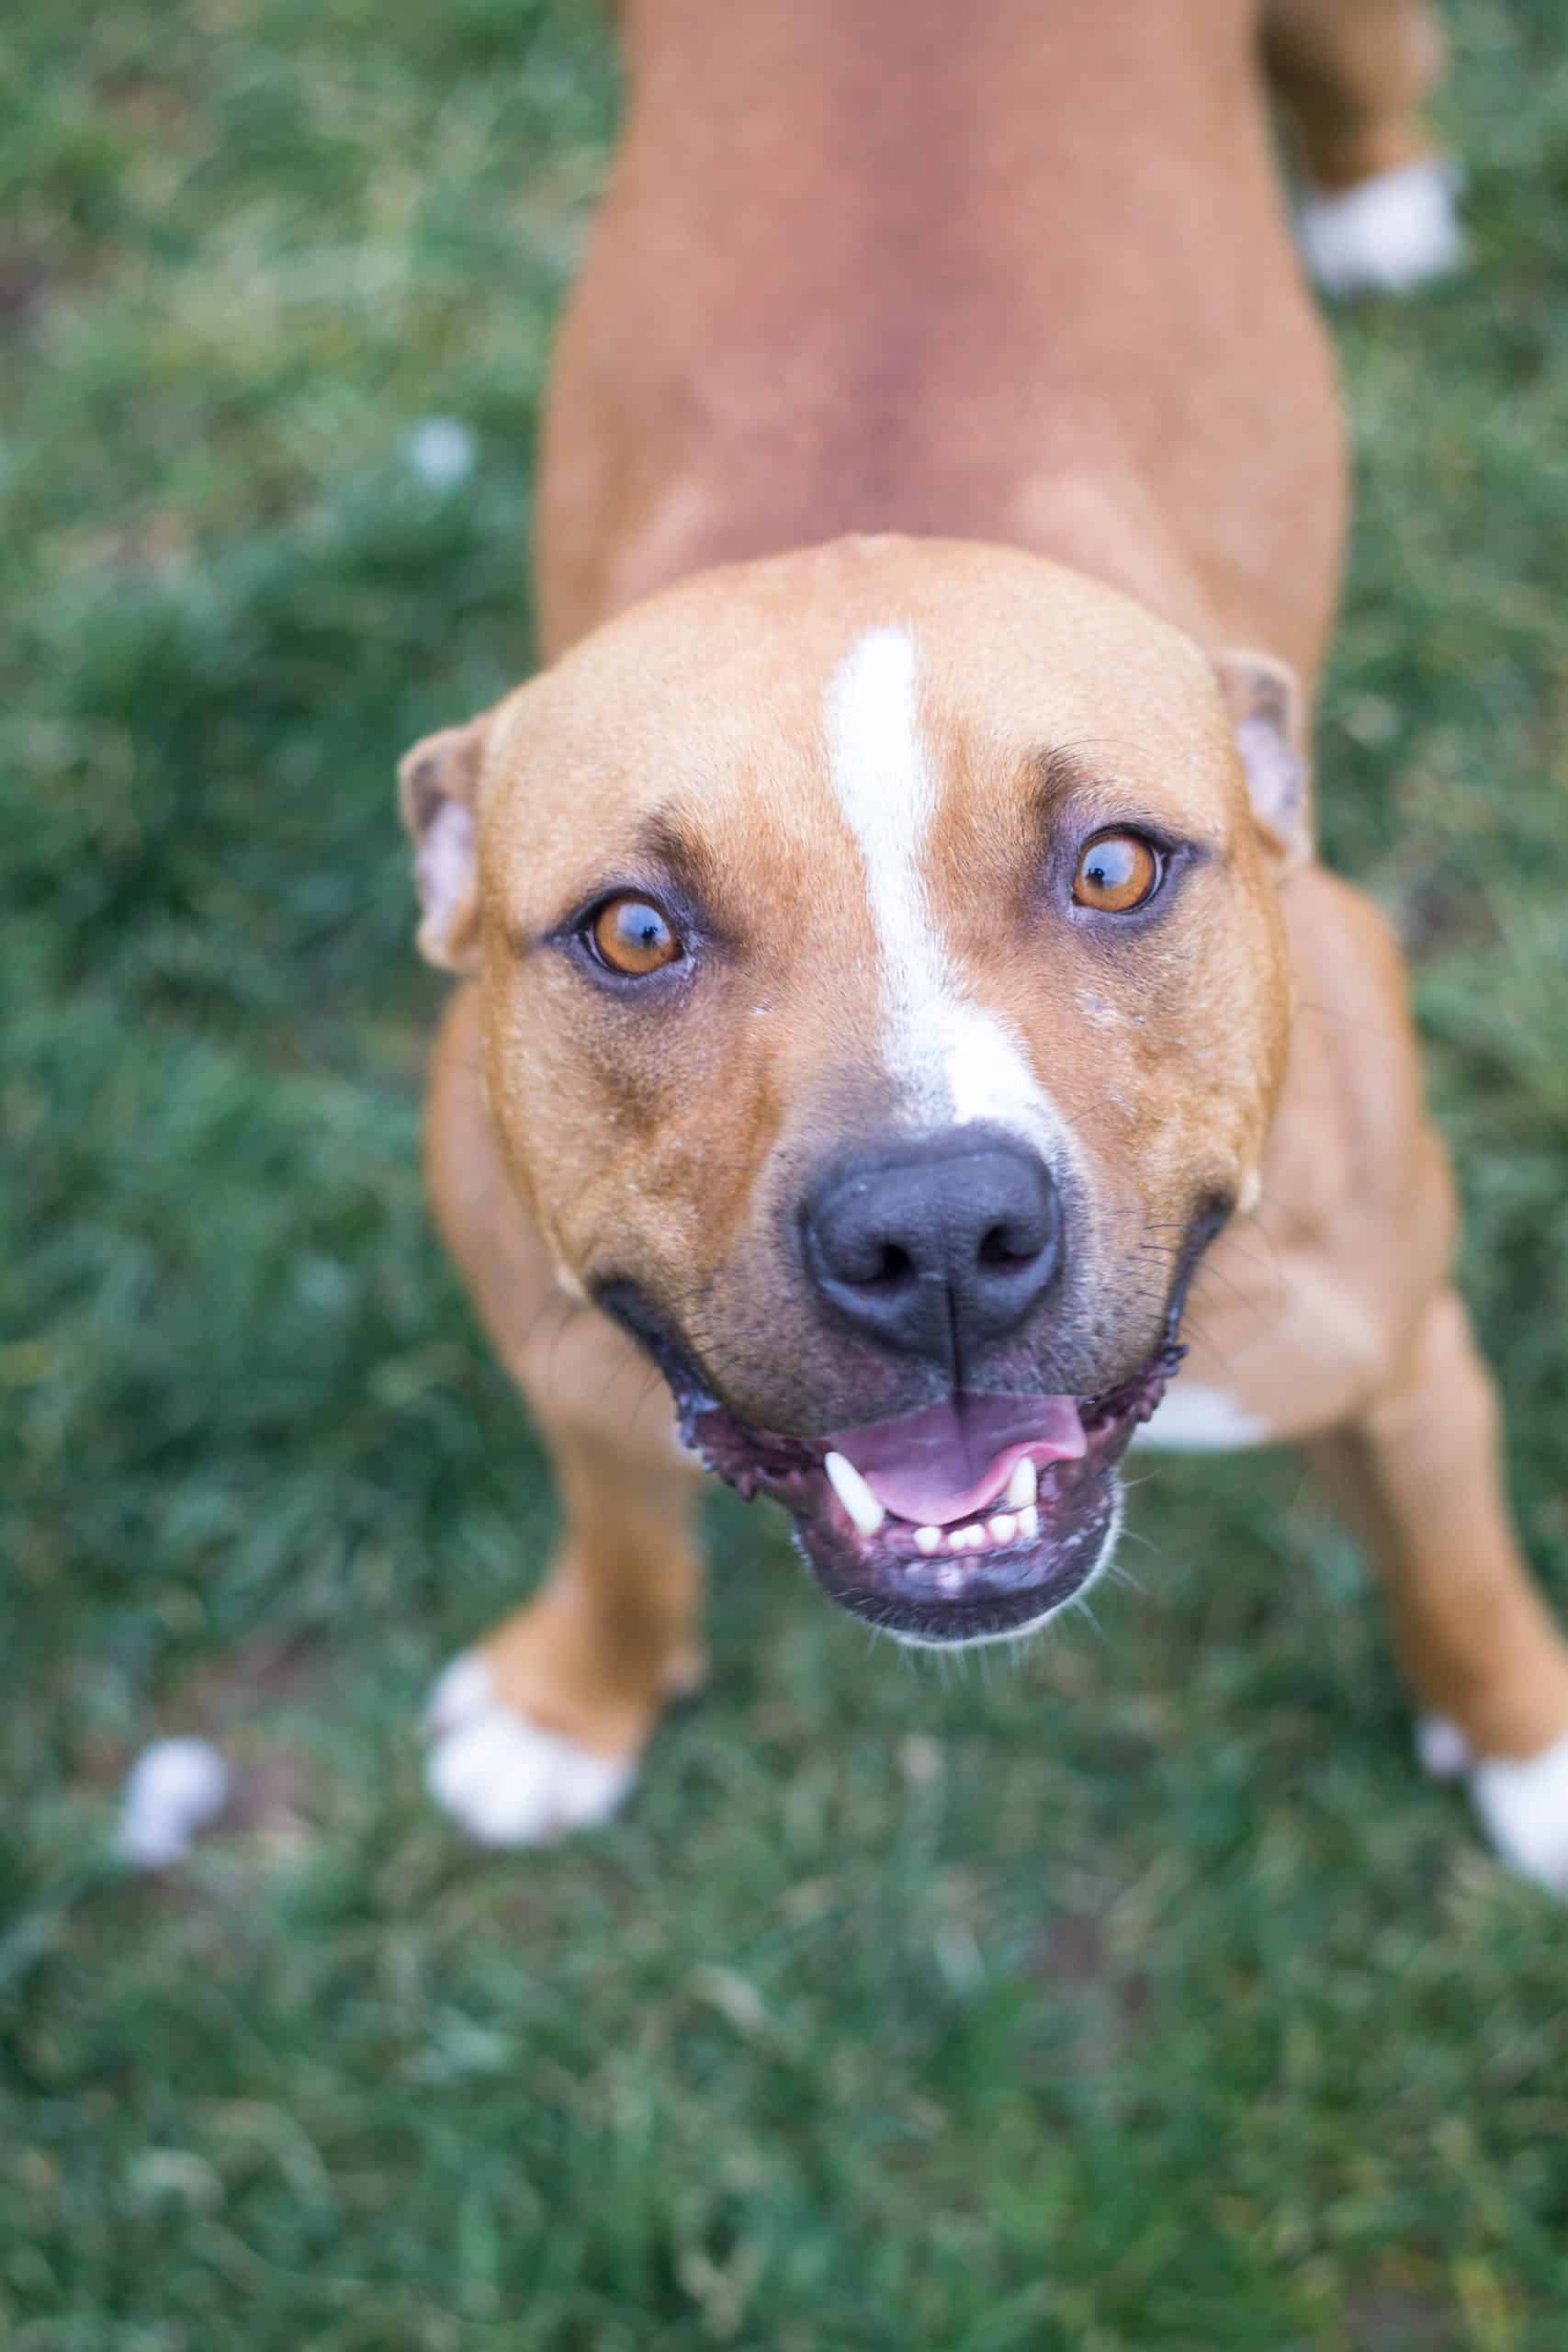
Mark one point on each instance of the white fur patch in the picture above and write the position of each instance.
(953, 1060)
(507, 1782)
(1192, 1419)
(1524, 1810)
(1390, 232)
(1441, 1748)
(171, 1791)
(1522, 1802)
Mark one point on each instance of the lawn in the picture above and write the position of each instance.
(1133, 1992)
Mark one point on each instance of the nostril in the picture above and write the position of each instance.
(865, 1261)
(1004, 1247)
(895, 1268)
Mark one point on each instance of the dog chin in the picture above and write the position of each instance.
(957, 1600)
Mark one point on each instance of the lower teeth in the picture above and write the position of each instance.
(1008, 1527)
(995, 1534)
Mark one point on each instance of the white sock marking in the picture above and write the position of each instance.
(1441, 1748)
(1523, 1806)
(1385, 234)
(507, 1782)
(1522, 1801)
(953, 1060)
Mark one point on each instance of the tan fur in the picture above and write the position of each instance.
(610, 1636)
(1354, 77)
(1017, 276)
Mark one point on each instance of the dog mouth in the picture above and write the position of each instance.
(974, 1519)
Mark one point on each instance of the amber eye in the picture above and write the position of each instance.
(1117, 873)
(631, 936)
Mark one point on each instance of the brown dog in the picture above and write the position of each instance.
(898, 977)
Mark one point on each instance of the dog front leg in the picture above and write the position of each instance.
(1420, 1473)
(541, 1727)
(1353, 77)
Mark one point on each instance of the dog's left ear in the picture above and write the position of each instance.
(438, 783)
(1266, 710)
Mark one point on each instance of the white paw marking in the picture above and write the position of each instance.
(1192, 1419)
(507, 1782)
(1523, 1806)
(1390, 232)
(173, 1790)
(1442, 1749)
(954, 1059)
(463, 1689)
(1522, 1801)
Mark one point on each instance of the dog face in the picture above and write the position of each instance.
(885, 999)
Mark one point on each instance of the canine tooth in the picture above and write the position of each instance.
(928, 1539)
(1029, 1523)
(854, 1494)
(1023, 1485)
(1002, 1529)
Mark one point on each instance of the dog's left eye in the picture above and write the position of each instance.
(632, 936)
(1118, 872)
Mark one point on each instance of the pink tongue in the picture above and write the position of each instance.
(949, 1461)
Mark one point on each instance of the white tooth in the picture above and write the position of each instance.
(1029, 1523)
(1001, 1528)
(928, 1539)
(965, 1539)
(854, 1494)
(1023, 1485)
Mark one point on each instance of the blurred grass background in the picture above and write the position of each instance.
(1132, 1993)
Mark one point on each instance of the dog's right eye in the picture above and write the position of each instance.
(632, 936)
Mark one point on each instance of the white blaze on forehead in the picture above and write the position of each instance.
(953, 1060)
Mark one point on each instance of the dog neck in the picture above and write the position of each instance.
(1019, 276)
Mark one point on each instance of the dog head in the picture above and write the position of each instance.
(884, 1000)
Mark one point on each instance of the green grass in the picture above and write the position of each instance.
(1133, 1993)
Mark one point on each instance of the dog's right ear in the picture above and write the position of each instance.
(438, 785)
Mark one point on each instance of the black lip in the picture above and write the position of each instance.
(627, 1304)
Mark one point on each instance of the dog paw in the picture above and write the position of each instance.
(1523, 1806)
(1441, 1748)
(1521, 1802)
(1388, 233)
(507, 1782)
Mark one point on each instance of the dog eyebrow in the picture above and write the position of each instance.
(669, 840)
(666, 853)
(1059, 771)
(1061, 774)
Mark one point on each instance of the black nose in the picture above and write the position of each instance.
(938, 1248)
